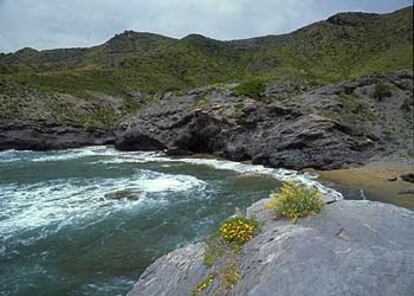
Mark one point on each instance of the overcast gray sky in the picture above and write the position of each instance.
(44, 24)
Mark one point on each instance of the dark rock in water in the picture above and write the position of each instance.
(123, 194)
(408, 177)
(51, 137)
(351, 248)
(392, 179)
(174, 151)
(409, 191)
(329, 127)
(138, 141)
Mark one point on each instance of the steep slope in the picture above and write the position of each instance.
(97, 88)
(329, 127)
(345, 46)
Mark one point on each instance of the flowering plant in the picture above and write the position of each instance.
(296, 201)
(238, 230)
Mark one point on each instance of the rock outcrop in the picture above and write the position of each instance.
(46, 137)
(30, 119)
(329, 127)
(350, 248)
(409, 177)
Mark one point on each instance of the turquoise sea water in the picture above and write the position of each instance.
(89, 221)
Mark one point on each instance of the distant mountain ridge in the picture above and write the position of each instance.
(346, 45)
(98, 87)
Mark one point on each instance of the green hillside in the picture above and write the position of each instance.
(344, 46)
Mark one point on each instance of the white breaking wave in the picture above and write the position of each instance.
(158, 182)
(279, 174)
(119, 157)
(61, 201)
(76, 153)
(13, 155)
(26, 207)
(242, 168)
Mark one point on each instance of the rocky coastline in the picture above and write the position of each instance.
(332, 100)
(350, 248)
(42, 138)
(334, 126)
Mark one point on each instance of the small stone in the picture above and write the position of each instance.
(392, 179)
(344, 235)
(409, 191)
(409, 177)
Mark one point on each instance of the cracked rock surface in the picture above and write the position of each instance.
(351, 248)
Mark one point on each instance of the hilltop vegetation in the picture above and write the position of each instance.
(347, 45)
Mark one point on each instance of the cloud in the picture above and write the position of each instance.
(67, 23)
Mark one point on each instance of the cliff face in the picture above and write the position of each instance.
(48, 97)
(35, 120)
(350, 248)
(328, 127)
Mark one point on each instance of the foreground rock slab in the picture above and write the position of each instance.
(350, 248)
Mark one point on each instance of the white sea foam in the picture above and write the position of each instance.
(117, 157)
(63, 202)
(242, 168)
(76, 153)
(13, 155)
(158, 182)
(280, 174)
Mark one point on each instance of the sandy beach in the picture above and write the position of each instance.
(371, 181)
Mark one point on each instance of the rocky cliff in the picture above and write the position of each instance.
(36, 120)
(350, 248)
(327, 127)
(278, 115)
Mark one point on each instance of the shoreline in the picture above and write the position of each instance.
(367, 181)
(371, 180)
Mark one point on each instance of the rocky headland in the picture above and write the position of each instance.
(335, 94)
(350, 248)
(327, 127)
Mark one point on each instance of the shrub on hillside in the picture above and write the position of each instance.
(382, 91)
(296, 201)
(251, 88)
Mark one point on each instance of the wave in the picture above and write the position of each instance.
(279, 174)
(63, 202)
(242, 168)
(76, 153)
(12, 155)
(112, 156)
(118, 157)
(159, 182)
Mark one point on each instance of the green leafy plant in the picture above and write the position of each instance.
(215, 249)
(296, 201)
(382, 91)
(230, 273)
(251, 88)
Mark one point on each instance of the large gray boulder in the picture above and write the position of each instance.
(350, 248)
